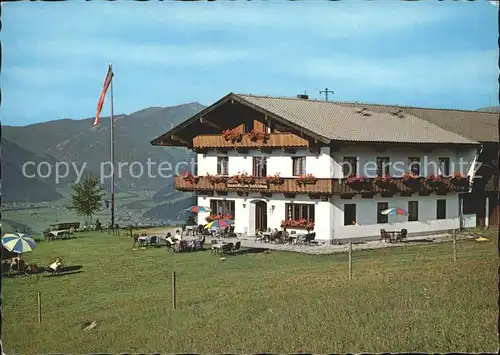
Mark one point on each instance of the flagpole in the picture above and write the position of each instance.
(112, 155)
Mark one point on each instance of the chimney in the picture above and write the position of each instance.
(303, 96)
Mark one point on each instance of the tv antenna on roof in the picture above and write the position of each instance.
(326, 92)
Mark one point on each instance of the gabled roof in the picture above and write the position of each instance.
(344, 123)
(334, 121)
(479, 126)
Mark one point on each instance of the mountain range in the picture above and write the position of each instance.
(78, 142)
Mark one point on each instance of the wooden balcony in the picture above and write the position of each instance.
(320, 187)
(276, 140)
(399, 186)
(289, 185)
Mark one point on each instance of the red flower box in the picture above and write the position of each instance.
(232, 135)
(276, 179)
(356, 182)
(434, 180)
(307, 179)
(300, 224)
(459, 179)
(411, 179)
(383, 180)
(187, 176)
(256, 135)
(244, 179)
(216, 179)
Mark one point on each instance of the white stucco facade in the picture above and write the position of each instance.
(329, 214)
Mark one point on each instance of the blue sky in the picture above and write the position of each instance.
(431, 54)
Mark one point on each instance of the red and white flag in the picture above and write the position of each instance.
(107, 82)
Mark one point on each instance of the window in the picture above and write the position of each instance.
(299, 166)
(349, 166)
(222, 166)
(441, 209)
(247, 127)
(469, 203)
(222, 207)
(382, 166)
(259, 167)
(382, 218)
(349, 214)
(414, 164)
(412, 211)
(444, 166)
(297, 211)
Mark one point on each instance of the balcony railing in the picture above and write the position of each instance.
(321, 186)
(276, 140)
(288, 185)
(397, 185)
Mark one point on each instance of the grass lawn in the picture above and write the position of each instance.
(412, 299)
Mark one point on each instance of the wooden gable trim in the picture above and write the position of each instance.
(282, 120)
(189, 121)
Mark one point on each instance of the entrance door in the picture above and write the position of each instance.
(260, 216)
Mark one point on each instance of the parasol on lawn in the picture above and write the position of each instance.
(18, 243)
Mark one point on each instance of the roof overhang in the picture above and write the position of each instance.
(231, 97)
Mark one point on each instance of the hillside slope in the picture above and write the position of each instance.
(77, 141)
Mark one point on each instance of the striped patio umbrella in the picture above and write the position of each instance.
(198, 209)
(18, 243)
(395, 211)
(218, 224)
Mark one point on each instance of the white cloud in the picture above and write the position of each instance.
(102, 49)
(318, 18)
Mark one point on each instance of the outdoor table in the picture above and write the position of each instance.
(147, 239)
(218, 247)
(190, 230)
(266, 235)
(392, 235)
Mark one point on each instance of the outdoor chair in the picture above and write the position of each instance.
(213, 242)
(180, 247)
(227, 248)
(384, 235)
(259, 237)
(237, 247)
(402, 235)
(153, 241)
(231, 232)
(310, 238)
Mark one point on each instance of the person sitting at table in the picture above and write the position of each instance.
(178, 236)
(170, 239)
(14, 264)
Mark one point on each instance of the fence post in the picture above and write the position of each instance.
(350, 260)
(454, 245)
(39, 303)
(173, 291)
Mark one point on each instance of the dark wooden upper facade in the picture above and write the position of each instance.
(325, 187)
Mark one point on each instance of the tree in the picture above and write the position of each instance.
(86, 197)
